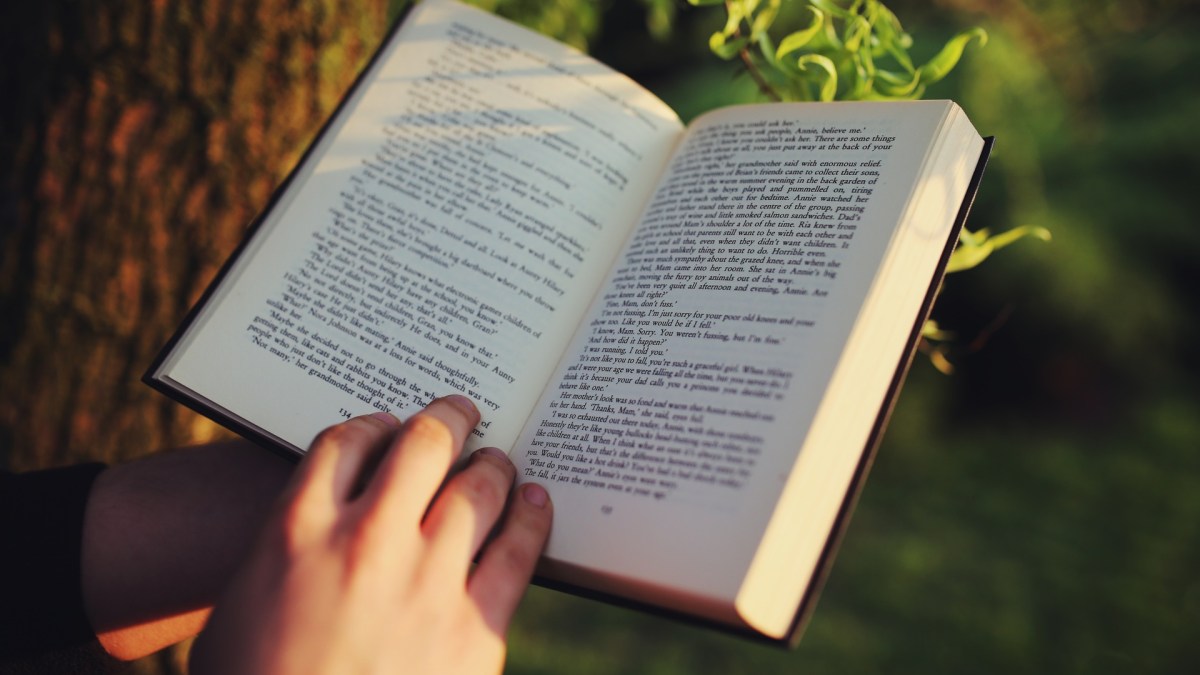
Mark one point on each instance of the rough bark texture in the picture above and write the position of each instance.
(137, 140)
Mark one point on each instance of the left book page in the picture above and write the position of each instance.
(444, 234)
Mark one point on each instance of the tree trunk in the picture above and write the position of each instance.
(137, 141)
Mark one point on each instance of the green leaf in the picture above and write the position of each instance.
(767, 47)
(829, 86)
(974, 247)
(764, 19)
(932, 331)
(888, 29)
(866, 61)
(941, 64)
(1009, 236)
(705, 3)
(857, 31)
(975, 238)
(741, 9)
(830, 37)
(829, 8)
(724, 48)
(897, 52)
(733, 21)
(966, 257)
(860, 85)
(897, 85)
(797, 40)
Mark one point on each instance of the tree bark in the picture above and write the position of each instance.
(137, 140)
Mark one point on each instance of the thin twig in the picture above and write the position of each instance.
(763, 86)
(989, 330)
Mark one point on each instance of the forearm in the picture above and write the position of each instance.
(162, 535)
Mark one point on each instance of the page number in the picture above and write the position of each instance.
(606, 509)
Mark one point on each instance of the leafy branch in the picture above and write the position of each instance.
(851, 50)
(856, 52)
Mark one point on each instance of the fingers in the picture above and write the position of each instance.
(332, 470)
(507, 563)
(416, 463)
(404, 465)
(466, 509)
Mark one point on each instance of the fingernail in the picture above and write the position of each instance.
(494, 452)
(387, 418)
(535, 495)
(466, 405)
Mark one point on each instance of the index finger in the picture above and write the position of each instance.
(418, 459)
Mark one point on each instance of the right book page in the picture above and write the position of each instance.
(703, 428)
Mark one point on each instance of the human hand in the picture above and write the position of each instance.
(366, 566)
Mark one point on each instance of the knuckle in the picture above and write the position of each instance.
(514, 558)
(428, 429)
(298, 520)
(531, 527)
(500, 464)
(481, 488)
(515, 552)
(359, 540)
(334, 437)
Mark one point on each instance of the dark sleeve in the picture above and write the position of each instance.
(43, 626)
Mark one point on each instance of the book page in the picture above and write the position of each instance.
(859, 387)
(444, 236)
(675, 422)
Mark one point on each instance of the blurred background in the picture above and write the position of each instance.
(1038, 510)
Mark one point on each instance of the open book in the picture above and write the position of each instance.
(690, 336)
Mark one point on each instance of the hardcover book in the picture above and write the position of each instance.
(691, 335)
